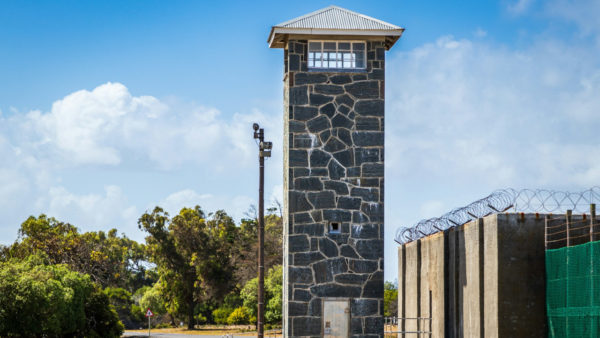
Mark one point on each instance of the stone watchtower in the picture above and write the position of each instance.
(333, 171)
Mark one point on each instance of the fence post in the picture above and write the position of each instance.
(546, 232)
(592, 220)
(430, 316)
(568, 224)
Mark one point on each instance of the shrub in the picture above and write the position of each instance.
(37, 299)
(221, 315)
(241, 315)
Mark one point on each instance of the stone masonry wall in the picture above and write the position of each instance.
(333, 172)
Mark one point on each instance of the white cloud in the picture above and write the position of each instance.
(583, 13)
(235, 206)
(519, 7)
(479, 114)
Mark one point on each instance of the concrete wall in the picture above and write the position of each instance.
(486, 278)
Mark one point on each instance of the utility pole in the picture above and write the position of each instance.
(264, 150)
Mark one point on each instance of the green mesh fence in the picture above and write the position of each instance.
(573, 290)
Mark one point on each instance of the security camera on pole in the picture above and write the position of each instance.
(264, 150)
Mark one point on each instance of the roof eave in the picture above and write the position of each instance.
(393, 34)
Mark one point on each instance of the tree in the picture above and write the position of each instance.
(110, 260)
(192, 255)
(390, 299)
(246, 252)
(38, 299)
(273, 295)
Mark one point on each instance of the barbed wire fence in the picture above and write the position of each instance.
(504, 200)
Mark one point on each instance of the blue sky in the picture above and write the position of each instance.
(108, 108)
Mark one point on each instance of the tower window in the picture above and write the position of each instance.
(336, 54)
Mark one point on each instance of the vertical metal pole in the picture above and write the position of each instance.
(546, 232)
(592, 220)
(261, 238)
(568, 225)
(149, 326)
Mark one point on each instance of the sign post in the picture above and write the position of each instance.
(149, 314)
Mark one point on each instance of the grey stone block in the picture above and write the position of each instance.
(372, 169)
(341, 121)
(364, 307)
(356, 327)
(368, 138)
(351, 278)
(303, 217)
(299, 95)
(324, 136)
(305, 113)
(318, 99)
(363, 155)
(366, 231)
(345, 157)
(314, 307)
(306, 326)
(297, 126)
(322, 199)
(334, 145)
(298, 158)
(340, 79)
(343, 109)
(373, 210)
(300, 275)
(370, 108)
(298, 202)
(297, 308)
(319, 158)
(374, 325)
(367, 194)
(337, 215)
(336, 171)
(302, 295)
(344, 136)
(328, 89)
(348, 251)
(308, 183)
(318, 124)
(367, 123)
(359, 217)
(363, 89)
(328, 109)
(363, 266)
(370, 249)
(345, 99)
(306, 258)
(298, 243)
(339, 187)
(335, 290)
(348, 203)
(314, 229)
(359, 77)
(328, 247)
(309, 78)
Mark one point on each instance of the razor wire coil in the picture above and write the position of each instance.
(503, 200)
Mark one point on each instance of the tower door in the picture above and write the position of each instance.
(336, 318)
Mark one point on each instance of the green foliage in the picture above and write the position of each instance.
(274, 290)
(221, 315)
(37, 299)
(110, 260)
(193, 256)
(241, 315)
(390, 300)
(273, 295)
(153, 299)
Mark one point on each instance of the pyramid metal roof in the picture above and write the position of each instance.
(334, 20)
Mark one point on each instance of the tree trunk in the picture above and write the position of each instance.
(191, 304)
